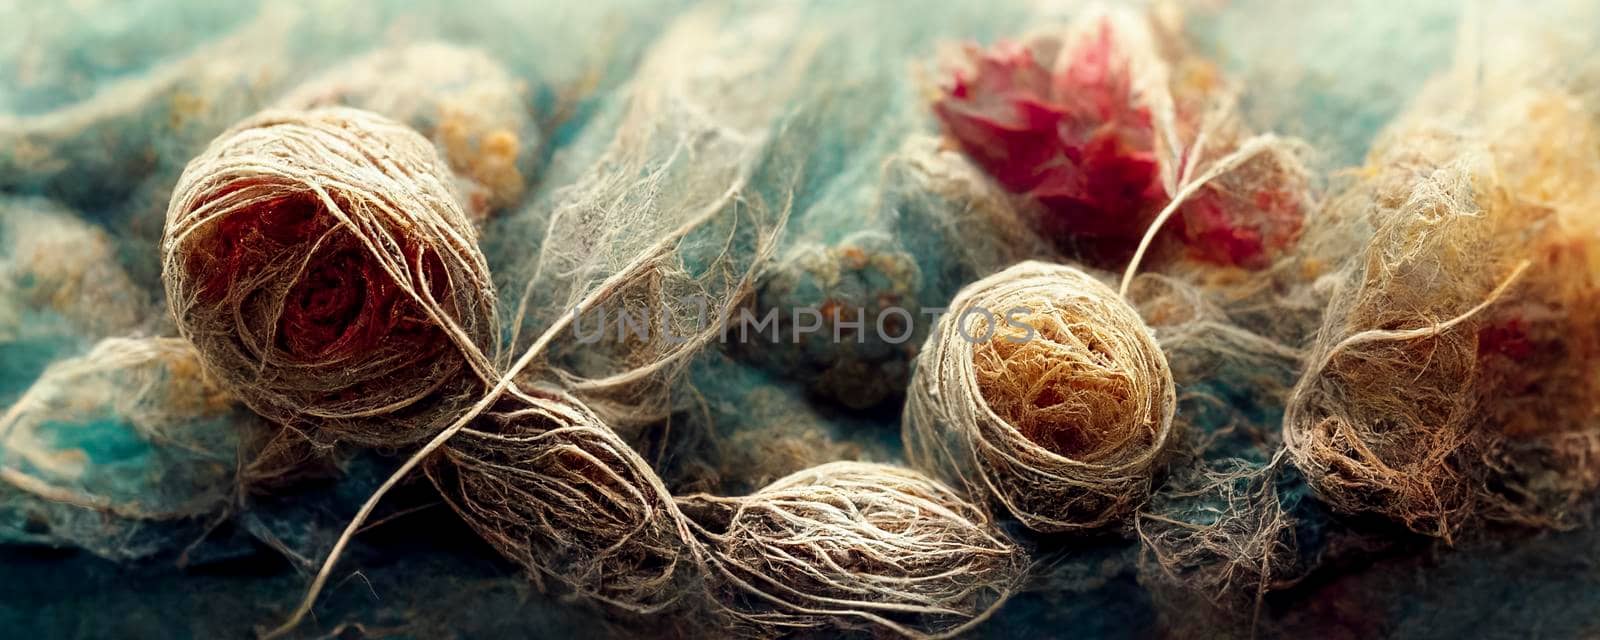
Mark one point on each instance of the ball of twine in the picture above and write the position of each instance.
(860, 546)
(321, 264)
(546, 483)
(1044, 390)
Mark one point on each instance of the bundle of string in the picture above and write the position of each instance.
(840, 546)
(1384, 417)
(321, 264)
(546, 483)
(318, 263)
(853, 545)
(1061, 413)
(1453, 379)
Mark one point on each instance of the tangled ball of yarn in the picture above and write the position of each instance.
(1452, 381)
(556, 491)
(1384, 419)
(320, 263)
(851, 545)
(1045, 390)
